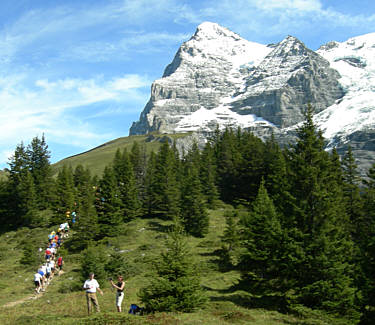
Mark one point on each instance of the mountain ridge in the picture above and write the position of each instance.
(217, 78)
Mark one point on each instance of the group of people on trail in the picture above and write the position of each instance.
(91, 286)
(53, 262)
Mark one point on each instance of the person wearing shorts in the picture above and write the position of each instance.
(120, 291)
(37, 279)
(60, 263)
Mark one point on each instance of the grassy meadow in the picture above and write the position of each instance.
(140, 240)
(97, 158)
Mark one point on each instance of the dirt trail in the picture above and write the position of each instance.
(32, 297)
(21, 301)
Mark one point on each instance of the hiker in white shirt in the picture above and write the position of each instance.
(90, 286)
(37, 278)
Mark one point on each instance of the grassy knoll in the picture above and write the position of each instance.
(140, 241)
(97, 158)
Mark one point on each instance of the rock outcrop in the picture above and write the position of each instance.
(219, 79)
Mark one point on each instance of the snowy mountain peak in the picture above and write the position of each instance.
(209, 31)
(219, 79)
(290, 46)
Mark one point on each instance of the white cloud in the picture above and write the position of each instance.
(52, 107)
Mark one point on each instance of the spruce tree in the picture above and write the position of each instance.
(40, 168)
(176, 284)
(126, 183)
(109, 206)
(193, 211)
(261, 263)
(86, 227)
(148, 200)
(65, 194)
(324, 272)
(165, 188)
(208, 176)
(351, 181)
(366, 227)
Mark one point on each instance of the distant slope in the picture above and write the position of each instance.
(97, 158)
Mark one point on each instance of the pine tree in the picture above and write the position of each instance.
(351, 189)
(138, 159)
(149, 181)
(176, 284)
(65, 194)
(165, 188)
(18, 169)
(193, 211)
(27, 204)
(40, 168)
(94, 259)
(324, 271)
(87, 228)
(366, 227)
(109, 206)
(261, 263)
(126, 183)
(208, 176)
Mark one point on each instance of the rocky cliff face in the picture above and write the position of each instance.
(219, 79)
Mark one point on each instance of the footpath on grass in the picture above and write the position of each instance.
(53, 265)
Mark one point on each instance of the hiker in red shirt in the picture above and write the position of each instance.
(60, 263)
(48, 254)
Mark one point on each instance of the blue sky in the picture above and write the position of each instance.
(80, 71)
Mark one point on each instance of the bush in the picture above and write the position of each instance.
(94, 259)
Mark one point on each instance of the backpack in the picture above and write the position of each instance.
(135, 310)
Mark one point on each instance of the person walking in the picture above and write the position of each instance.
(120, 291)
(90, 286)
(37, 279)
(60, 264)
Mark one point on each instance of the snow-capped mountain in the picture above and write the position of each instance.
(218, 78)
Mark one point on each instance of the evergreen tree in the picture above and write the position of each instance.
(351, 189)
(193, 210)
(276, 181)
(109, 206)
(208, 176)
(27, 204)
(65, 194)
(149, 181)
(40, 168)
(325, 272)
(261, 264)
(126, 183)
(176, 285)
(366, 227)
(230, 239)
(165, 189)
(87, 228)
(138, 159)
(94, 259)
(18, 170)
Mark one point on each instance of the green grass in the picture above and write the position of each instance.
(97, 158)
(140, 240)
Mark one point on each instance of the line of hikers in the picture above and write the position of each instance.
(53, 262)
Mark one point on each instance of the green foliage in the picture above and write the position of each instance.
(193, 211)
(65, 194)
(262, 266)
(94, 259)
(108, 204)
(176, 286)
(126, 183)
(30, 256)
(164, 193)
